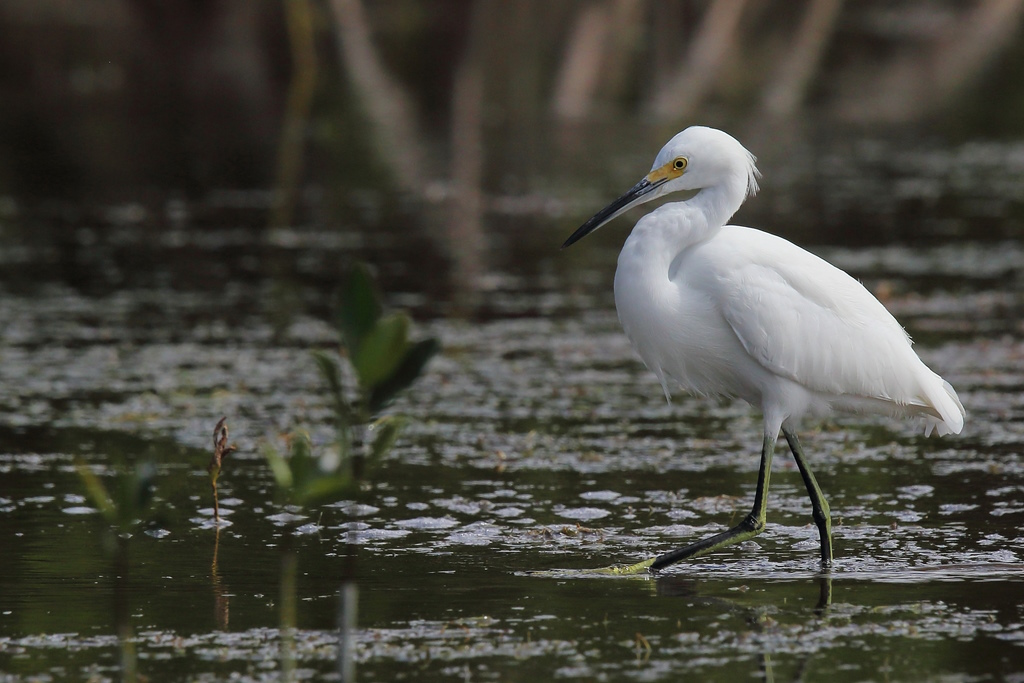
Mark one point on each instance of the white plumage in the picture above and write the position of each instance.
(722, 310)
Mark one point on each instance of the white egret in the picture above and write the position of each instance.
(723, 310)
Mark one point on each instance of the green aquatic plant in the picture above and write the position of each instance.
(305, 478)
(221, 449)
(384, 361)
(128, 503)
(124, 507)
(377, 352)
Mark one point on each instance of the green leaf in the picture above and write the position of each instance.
(279, 467)
(404, 374)
(359, 308)
(141, 489)
(325, 488)
(385, 432)
(304, 467)
(96, 492)
(128, 500)
(330, 370)
(382, 350)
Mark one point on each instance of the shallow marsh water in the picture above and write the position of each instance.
(536, 447)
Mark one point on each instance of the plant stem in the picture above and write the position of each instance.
(289, 566)
(122, 615)
(347, 624)
(221, 601)
(216, 504)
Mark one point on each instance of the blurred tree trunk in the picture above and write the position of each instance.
(786, 91)
(292, 144)
(958, 58)
(921, 79)
(585, 57)
(463, 231)
(693, 80)
(597, 57)
(390, 111)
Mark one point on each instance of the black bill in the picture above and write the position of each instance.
(636, 195)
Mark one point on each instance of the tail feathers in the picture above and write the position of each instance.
(951, 412)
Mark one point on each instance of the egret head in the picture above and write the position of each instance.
(696, 159)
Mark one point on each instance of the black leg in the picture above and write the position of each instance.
(819, 507)
(751, 526)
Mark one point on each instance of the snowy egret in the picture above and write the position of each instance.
(723, 310)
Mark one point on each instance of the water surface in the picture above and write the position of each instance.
(537, 447)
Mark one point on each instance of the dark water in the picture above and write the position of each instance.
(143, 297)
(536, 446)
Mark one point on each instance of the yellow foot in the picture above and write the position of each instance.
(614, 570)
(627, 570)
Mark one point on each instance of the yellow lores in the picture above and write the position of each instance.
(669, 171)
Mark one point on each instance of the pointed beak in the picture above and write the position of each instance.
(638, 194)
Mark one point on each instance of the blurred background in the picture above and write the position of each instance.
(183, 184)
(455, 143)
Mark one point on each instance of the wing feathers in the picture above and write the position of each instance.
(806, 320)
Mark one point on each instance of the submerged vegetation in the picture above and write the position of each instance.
(383, 361)
(124, 507)
(221, 450)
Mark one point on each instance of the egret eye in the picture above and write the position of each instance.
(679, 164)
